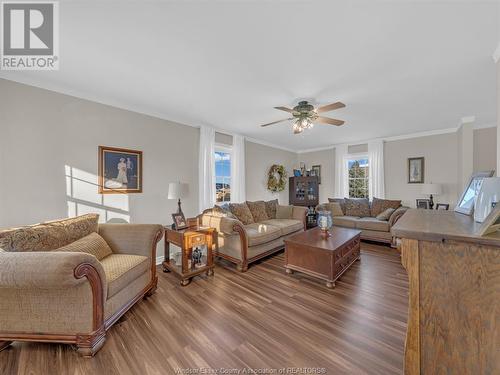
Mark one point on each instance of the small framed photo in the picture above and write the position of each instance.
(120, 170)
(317, 172)
(442, 206)
(423, 203)
(416, 170)
(179, 221)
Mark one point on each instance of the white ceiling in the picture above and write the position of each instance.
(399, 66)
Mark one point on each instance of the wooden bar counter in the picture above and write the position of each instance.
(454, 294)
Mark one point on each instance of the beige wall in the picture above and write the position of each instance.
(325, 158)
(50, 142)
(485, 146)
(258, 160)
(440, 153)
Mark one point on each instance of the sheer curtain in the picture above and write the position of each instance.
(238, 193)
(341, 189)
(376, 187)
(206, 168)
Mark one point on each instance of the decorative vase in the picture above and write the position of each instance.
(325, 221)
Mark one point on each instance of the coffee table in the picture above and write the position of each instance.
(326, 258)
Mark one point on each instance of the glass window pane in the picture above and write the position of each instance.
(222, 176)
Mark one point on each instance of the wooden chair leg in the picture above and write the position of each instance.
(88, 346)
(4, 344)
(242, 267)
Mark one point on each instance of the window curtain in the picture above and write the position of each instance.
(341, 188)
(206, 168)
(376, 187)
(238, 193)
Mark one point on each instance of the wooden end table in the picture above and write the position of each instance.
(187, 239)
(326, 258)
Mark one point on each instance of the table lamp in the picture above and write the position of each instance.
(177, 190)
(431, 189)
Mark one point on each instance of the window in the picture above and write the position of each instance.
(358, 177)
(222, 174)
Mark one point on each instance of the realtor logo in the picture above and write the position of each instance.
(30, 35)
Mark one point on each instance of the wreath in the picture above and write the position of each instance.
(276, 178)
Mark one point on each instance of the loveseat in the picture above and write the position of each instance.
(375, 219)
(69, 281)
(252, 230)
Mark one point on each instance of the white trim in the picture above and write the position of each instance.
(483, 126)
(468, 120)
(496, 54)
(315, 149)
(163, 116)
(268, 144)
(108, 102)
(159, 260)
(420, 134)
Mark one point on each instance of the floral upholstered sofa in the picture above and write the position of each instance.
(69, 281)
(252, 230)
(375, 219)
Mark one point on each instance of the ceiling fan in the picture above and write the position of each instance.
(304, 115)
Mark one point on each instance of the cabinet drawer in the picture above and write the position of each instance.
(196, 240)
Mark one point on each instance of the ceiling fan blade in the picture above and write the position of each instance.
(284, 109)
(330, 107)
(330, 121)
(275, 122)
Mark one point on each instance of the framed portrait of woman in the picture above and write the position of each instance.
(120, 170)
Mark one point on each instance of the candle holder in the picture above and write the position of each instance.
(325, 222)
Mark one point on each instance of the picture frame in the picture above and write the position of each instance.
(465, 204)
(416, 170)
(491, 224)
(179, 221)
(424, 204)
(119, 170)
(442, 206)
(317, 172)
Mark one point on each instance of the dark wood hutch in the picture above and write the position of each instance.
(304, 191)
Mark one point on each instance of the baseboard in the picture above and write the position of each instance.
(159, 260)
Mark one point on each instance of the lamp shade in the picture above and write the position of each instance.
(432, 189)
(177, 190)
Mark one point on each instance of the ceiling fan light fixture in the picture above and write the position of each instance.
(297, 128)
(302, 124)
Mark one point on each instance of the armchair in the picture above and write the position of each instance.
(72, 297)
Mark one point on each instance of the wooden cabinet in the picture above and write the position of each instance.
(187, 239)
(304, 191)
(454, 294)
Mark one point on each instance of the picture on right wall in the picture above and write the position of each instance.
(416, 170)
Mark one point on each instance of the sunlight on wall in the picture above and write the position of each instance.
(83, 197)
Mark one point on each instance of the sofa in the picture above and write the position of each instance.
(375, 219)
(69, 281)
(250, 231)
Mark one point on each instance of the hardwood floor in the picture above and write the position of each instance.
(263, 318)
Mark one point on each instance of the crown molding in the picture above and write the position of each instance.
(99, 100)
(496, 54)
(163, 116)
(484, 126)
(305, 151)
(268, 144)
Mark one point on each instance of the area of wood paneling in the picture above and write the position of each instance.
(260, 319)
